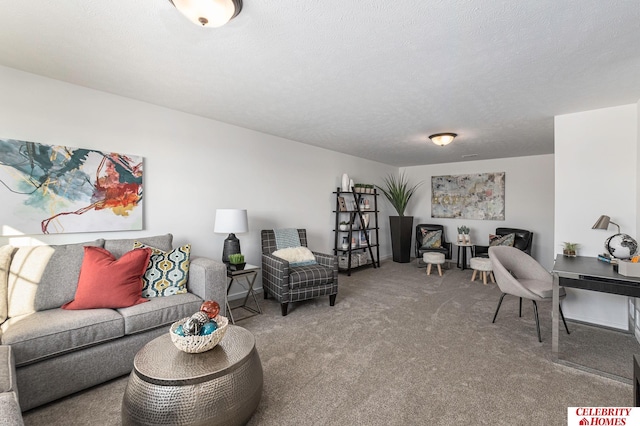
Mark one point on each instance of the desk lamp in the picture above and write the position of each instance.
(230, 221)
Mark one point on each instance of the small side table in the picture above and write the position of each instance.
(464, 247)
(249, 274)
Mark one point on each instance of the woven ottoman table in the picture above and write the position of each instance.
(433, 259)
(222, 386)
(482, 265)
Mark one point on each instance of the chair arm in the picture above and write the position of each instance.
(208, 280)
(480, 251)
(327, 260)
(275, 269)
(447, 245)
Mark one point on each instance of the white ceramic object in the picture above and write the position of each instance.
(345, 182)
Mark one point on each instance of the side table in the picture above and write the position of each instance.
(463, 258)
(222, 386)
(248, 275)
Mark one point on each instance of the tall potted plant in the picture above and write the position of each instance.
(398, 191)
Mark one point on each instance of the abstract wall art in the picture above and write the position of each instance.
(48, 189)
(475, 196)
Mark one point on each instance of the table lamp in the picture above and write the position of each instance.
(619, 245)
(230, 221)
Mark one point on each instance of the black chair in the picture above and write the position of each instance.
(293, 283)
(445, 247)
(523, 241)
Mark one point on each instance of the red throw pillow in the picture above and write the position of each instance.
(105, 282)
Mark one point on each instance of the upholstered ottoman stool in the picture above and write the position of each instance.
(482, 265)
(433, 259)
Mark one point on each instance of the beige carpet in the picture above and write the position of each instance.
(399, 348)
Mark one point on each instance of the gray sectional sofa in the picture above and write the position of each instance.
(56, 352)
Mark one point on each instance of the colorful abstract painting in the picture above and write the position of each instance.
(49, 189)
(476, 196)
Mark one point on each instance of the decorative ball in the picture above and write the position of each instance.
(180, 331)
(201, 317)
(208, 328)
(211, 308)
(621, 246)
(191, 327)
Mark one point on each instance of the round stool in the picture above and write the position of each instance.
(483, 265)
(432, 258)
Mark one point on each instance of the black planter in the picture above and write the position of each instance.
(401, 233)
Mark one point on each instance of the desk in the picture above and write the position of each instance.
(464, 247)
(249, 274)
(586, 273)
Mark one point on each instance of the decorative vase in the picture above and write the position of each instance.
(343, 227)
(401, 232)
(345, 183)
(461, 238)
(467, 238)
(345, 243)
(351, 185)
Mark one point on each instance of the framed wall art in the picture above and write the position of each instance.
(50, 189)
(473, 196)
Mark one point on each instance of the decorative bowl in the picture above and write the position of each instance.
(198, 344)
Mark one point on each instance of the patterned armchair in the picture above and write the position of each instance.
(421, 230)
(291, 284)
(523, 241)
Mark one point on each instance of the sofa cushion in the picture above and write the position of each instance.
(6, 254)
(107, 282)
(167, 272)
(309, 276)
(158, 312)
(120, 247)
(45, 334)
(60, 278)
(27, 266)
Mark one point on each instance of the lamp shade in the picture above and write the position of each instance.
(208, 13)
(230, 221)
(442, 139)
(603, 223)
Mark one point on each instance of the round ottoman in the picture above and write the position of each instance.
(432, 258)
(482, 265)
(222, 386)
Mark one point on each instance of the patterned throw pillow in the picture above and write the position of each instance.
(431, 239)
(502, 240)
(167, 272)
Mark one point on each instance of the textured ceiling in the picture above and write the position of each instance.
(369, 78)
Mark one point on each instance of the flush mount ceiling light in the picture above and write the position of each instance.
(208, 13)
(442, 139)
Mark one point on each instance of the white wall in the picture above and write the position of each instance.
(596, 162)
(528, 200)
(192, 165)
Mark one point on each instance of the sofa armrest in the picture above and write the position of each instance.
(208, 280)
(328, 260)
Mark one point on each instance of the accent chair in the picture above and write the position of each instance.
(520, 275)
(288, 283)
(523, 240)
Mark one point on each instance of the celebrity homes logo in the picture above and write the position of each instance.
(603, 416)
